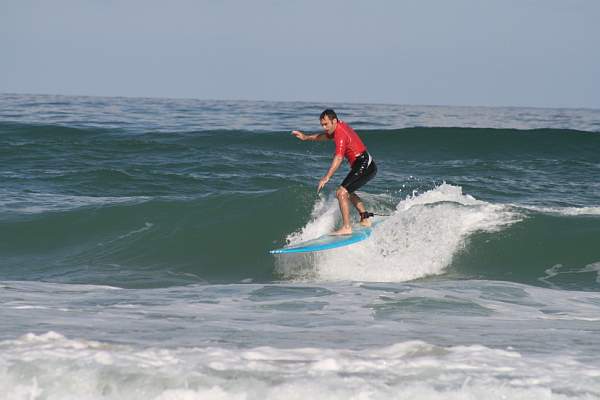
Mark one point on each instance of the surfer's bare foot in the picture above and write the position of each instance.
(342, 231)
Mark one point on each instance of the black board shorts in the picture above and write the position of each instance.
(362, 171)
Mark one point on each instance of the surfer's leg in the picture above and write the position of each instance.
(360, 207)
(357, 202)
(343, 198)
(362, 172)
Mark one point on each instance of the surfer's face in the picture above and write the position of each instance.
(329, 125)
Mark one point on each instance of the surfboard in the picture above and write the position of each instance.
(326, 242)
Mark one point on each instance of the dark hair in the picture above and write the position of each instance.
(329, 113)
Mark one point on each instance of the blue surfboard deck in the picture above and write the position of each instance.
(326, 242)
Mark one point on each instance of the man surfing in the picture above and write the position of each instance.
(362, 166)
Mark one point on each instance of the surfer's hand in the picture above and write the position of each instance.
(322, 183)
(299, 135)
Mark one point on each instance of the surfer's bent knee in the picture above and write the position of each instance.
(341, 192)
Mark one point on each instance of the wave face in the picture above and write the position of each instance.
(144, 203)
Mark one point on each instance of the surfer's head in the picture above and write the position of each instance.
(329, 121)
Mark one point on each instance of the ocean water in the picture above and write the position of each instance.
(134, 264)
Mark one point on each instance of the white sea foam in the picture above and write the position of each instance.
(566, 211)
(424, 340)
(51, 366)
(560, 269)
(323, 219)
(420, 238)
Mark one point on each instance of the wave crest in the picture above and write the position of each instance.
(418, 239)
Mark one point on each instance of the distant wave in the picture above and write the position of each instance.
(170, 115)
(436, 142)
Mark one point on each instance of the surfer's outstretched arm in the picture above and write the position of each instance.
(317, 137)
(335, 164)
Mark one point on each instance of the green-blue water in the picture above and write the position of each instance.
(183, 204)
(491, 213)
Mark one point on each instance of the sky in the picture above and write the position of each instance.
(540, 53)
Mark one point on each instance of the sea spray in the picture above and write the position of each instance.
(418, 239)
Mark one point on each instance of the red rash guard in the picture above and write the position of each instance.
(347, 142)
